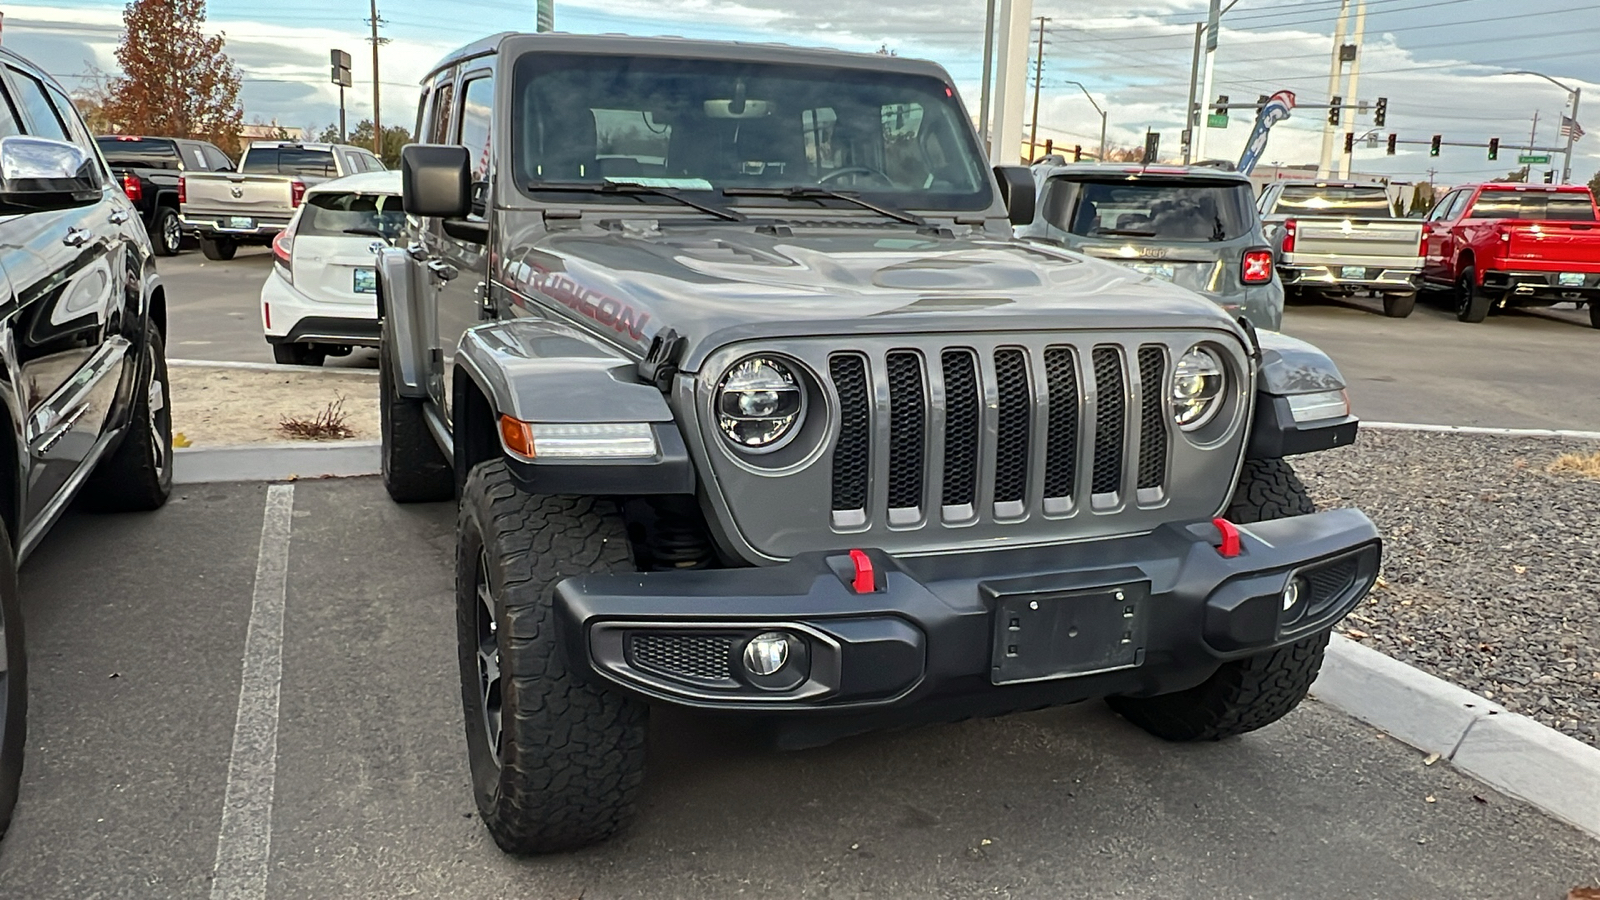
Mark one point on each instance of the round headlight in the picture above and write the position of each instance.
(1197, 382)
(760, 403)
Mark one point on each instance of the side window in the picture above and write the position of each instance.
(36, 106)
(216, 160)
(1442, 207)
(439, 118)
(8, 115)
(1460, 206)
(374, 164)
(422, 113)
(349, 163)
(194, 157)
(477, 108)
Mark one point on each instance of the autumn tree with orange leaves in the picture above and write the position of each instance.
(176, 80)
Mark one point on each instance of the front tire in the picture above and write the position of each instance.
(13, 684)
(165, 232)
(138, 476)
(415, 470)
(1250, 693)
(1399, 306)
(1472, 302)
(218, 248)
(557, 758)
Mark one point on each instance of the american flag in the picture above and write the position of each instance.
(1571, 128)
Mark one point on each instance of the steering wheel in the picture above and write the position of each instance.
(857, 170)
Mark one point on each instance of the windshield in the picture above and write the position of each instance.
(139, 153)
(703, 125)
(1171, 211)
(1335, 201)
(334, 214)
(1551, 206)
(288, 161)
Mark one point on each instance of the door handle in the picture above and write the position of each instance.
(416, 251)
(119, 216)
(76, 237)
(442, 270)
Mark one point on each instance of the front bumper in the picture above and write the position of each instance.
(974, 633)
(1541, 287)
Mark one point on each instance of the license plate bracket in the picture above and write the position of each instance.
(365, 281)
(1570, 279)
(241, 222)
(1056, 634)
(1163, 271)
(1359, 272)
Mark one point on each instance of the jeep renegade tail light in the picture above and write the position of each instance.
(1288, 236)
(131, 187)
(1257, 268)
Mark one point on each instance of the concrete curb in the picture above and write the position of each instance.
(267, 367)
(275, 462)
(1510, 752)
(1484, 429)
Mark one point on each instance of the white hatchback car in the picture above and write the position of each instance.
(321, 298)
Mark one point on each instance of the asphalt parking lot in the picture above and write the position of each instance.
(137, 625)
(1521, 370)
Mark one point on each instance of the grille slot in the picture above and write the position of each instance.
(961, 435)
(1061, 449)
(686, 657)
(852, 455)
(1111, 411)
(1152, 422)
(907, 430)
(1331, 580)
(1011, 448)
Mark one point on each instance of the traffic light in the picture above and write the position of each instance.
(1350, 142)
(1393, 139)
(1433, 149)
(1152, 147)
(1077, 153)
(1334, 108)
(1222, 104)
(1494, 148)
(1550, 176)
(1380, 114)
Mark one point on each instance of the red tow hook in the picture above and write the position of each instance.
(866, 580)
(1230, 546)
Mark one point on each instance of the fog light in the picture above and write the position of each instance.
(767, 653)
(1294, 592)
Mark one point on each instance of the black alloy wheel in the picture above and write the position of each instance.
(489, 680)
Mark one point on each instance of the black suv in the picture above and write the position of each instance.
(83, 321)
(150, 171)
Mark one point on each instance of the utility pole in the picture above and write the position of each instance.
(1527, 168)
(1335, 76)
(1011, 79)
(988, 80)
(1038, 82)
(1353, 104)
(1213, 26)
(377, 109)
(1191, 120)
(1572, 135)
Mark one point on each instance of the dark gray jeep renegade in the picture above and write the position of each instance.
(753, 405)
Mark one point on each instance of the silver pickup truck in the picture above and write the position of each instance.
(1339, 238)
(255, 204)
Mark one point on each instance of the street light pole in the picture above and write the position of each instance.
(1079, 86)
(1213, 31)
(1576, 94)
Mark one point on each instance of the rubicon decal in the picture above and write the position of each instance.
(564, 289)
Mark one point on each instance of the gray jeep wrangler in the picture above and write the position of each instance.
(753, 405)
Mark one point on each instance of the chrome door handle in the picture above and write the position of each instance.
(119, 216)
(442, 270)
(76, 237)
(416, 251)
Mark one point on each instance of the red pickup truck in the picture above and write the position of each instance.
(1503, 245)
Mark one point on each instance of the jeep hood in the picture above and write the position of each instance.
(718, 284)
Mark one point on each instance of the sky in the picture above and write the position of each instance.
(1440, 63)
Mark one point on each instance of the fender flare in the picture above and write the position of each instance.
(1290, 366)
(400, 313)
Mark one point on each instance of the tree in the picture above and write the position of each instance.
(1515, 176)
(1594, 184)
(1422, 196)
(176, 80)
(394, 137)
(90, 98)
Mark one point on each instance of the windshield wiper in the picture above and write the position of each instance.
(634, 190)
(799, 192)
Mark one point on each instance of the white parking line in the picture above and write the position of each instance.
(245, 841)
(1482, 429)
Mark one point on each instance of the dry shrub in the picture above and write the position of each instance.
(327, 425)
(1587, 465)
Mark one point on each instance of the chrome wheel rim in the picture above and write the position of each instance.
(171, 232)
(488, 653)
(157, 407)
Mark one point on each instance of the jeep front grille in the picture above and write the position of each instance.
(925, 443)
(1030, 392)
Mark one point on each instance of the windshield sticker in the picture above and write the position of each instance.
(682, 184)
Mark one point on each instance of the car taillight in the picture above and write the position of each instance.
(1257, 268)
(183, 190)
(1288, 236)
(282, 250)
(297, 193)
(132, 187)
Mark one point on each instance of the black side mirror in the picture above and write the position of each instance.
(41, 174)
(1016, 191)
(436, 180)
